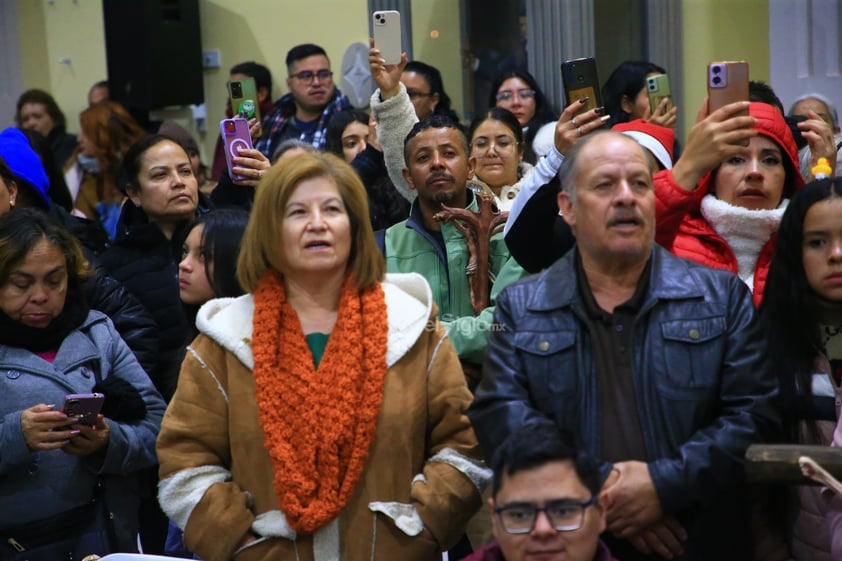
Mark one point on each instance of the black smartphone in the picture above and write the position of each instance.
(792, 121)
(580, 80)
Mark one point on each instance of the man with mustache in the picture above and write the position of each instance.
(655, 362)
(437, 168)
(304, 113)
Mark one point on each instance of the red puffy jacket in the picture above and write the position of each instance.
(680, 226)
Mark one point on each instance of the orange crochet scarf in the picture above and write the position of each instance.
(318, 425)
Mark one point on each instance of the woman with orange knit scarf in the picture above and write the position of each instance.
(322, 415)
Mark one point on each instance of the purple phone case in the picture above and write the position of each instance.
(235, 136)
(86, 406)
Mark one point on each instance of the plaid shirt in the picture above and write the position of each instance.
(279, 125)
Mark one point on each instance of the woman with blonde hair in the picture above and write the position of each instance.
(321, 415)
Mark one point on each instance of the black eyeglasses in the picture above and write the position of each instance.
(415, 94)
(308, 75)
(564, 515)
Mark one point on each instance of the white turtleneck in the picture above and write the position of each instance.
(746, 231)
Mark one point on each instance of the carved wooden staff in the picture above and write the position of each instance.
(478, 228)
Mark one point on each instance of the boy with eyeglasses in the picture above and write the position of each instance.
(304, 113)
(545, 503)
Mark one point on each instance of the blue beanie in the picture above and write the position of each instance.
(23, 161)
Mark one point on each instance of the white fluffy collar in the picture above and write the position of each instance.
(409, 302)
(746, 231)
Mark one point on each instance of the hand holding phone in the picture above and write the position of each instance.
(387, 35)
(658, 88)
(235, 137)
(85, 406)
(581, 81)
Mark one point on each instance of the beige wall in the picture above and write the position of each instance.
(721, 30)
(260, 30)
(64, 29)
(263, 30)
(443, 52)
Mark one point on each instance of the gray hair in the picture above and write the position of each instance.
(569, 169)
(288, 145)
(831, 107)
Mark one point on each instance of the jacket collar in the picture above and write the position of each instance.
(670, 279)
(409, 305)
(76, 349)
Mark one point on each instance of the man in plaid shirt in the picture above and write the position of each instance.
(304, 113)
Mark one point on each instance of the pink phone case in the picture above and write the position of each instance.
(86, 406)
(235, 136)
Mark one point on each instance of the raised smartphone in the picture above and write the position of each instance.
(235, 137)
(386, 27)
(86, 406)
(658, 87)
(243, 96)
(580, 80)
(727, 83)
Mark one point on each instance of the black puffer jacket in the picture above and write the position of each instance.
(131, 319)
(146, 262)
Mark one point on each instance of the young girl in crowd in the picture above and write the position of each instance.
(519, 92)
(802, 311)
(208, 269)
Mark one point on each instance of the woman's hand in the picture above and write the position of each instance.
(386, 76)
(372, 139)
(572, 126)
(44, 428)
(662, 116)
(819, 136)
(89, 440)
(255, 129)
(251, 164)
(712, 140)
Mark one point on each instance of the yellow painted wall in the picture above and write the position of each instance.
(260, 30)
(443, 52)
(263, 30)
(721, 30)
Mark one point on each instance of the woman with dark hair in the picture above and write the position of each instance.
(497, 156)
(208, 266)
(426, 90)
(163, 198)
(58, 470)
(518, 91)
(38, 111)
(625, 97)
(346, 134)
(802, 312)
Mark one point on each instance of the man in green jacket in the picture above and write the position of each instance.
(437, 168)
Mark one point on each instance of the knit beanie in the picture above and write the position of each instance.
(24, 162)
(655, 138)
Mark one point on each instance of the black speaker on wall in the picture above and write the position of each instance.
(154, 52)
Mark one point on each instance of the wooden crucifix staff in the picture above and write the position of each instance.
(478, 228)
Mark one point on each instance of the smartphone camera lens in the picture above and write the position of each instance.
(230, 127)
(716, 80)
(716, 69)
(580, 78)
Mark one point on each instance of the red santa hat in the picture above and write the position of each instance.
(655, 138)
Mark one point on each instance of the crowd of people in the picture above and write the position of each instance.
(341, 348)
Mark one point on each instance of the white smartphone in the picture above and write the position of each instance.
(387, 34)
